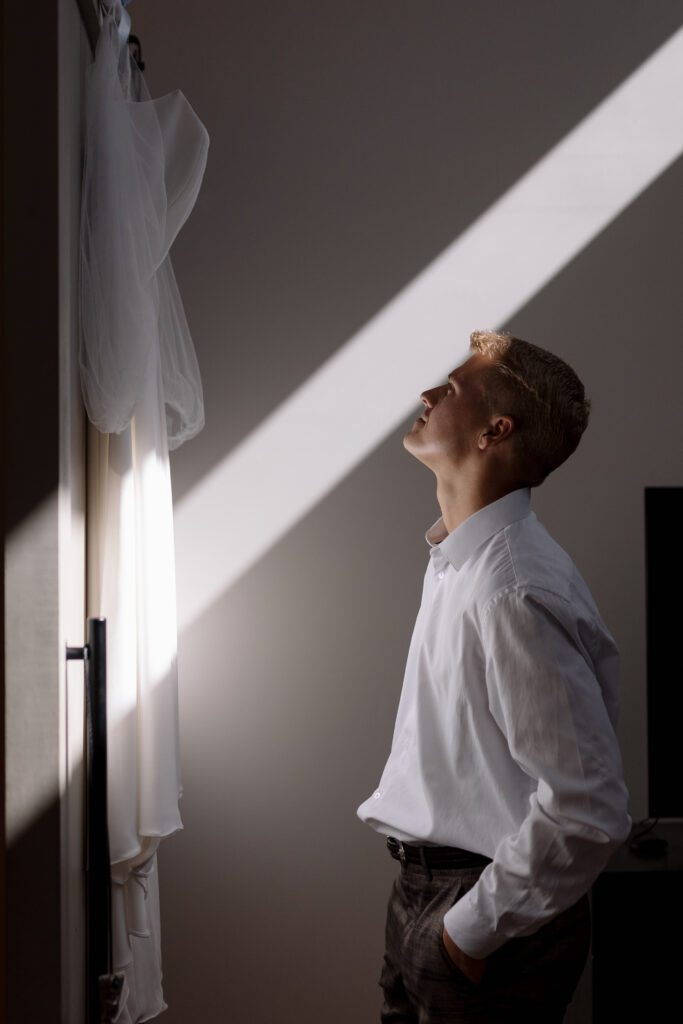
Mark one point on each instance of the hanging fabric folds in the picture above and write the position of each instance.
(143, 167)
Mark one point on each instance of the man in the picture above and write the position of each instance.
(503, 794)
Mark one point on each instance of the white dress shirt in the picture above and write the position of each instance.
(504, 741)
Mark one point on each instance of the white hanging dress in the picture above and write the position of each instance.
(144, 162)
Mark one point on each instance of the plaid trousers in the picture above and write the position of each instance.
(529, 979)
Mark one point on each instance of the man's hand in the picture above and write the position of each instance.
(471, 968)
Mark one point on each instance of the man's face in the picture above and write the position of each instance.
(454, 416)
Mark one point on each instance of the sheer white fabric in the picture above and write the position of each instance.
(144, 161)
(143, 167)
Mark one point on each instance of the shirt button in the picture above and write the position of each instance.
(442, 574)
(376, 795)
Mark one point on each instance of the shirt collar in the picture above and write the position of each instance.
(457, 546)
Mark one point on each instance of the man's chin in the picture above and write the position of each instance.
(412, 443)
(409, 440)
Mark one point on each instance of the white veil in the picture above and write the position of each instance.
(143, 166)
(144, 161)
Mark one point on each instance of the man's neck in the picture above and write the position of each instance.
(459, 499)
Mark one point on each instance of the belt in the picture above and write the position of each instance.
(435, 856)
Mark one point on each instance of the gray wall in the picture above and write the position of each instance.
(351, 142)
(43, 518)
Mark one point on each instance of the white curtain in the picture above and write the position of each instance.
(144, 162)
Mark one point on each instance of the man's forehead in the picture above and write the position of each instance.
(470, 363)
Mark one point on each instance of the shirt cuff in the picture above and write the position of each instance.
(470, 934)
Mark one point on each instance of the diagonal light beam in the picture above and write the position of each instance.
(336, 417)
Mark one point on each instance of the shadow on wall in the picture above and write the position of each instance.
(35, 945)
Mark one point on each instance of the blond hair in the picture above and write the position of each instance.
(541, 393)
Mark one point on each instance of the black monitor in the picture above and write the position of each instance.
(664, 602)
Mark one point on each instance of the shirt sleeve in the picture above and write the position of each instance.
(545, 697)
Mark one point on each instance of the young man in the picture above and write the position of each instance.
(503, 795)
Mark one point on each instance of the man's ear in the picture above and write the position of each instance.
(499, 429)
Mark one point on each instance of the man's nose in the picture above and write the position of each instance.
(431, 397)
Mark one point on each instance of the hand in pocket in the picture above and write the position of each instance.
(471, 968)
